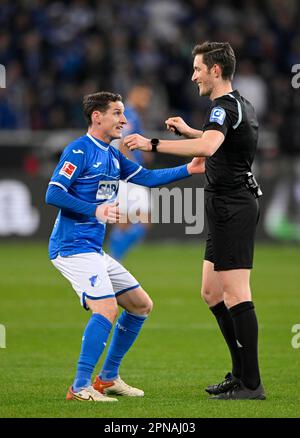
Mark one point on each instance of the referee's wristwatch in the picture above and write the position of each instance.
(154, 143)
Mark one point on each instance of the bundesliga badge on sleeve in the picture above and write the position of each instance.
(68, 169)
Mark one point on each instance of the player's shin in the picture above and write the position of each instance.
(93, 343)
(125, 333)
(226, 325)
(246, 330)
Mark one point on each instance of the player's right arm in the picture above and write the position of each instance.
(70, 165)
(224, 114)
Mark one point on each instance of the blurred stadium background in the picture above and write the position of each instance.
(54, 52)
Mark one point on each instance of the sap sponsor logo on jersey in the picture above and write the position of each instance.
(68, 169)
(217, 115)
(107, 190)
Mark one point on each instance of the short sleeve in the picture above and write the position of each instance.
(222, 115)
(71, 164)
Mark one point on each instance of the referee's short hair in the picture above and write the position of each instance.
(98, 102)
(217, 53)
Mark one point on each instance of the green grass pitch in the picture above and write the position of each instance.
(179, 351)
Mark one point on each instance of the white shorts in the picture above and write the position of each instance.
(95, 276)
(134, 199)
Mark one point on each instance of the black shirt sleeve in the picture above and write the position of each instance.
(222, 115)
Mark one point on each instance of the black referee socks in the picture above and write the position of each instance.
(246, 330)
(227, 328)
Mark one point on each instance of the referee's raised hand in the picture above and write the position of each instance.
(179, 127)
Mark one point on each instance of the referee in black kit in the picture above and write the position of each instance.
(226, 147)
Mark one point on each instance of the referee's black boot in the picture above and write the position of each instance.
(226, 385)
(240, 392)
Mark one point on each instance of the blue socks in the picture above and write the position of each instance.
(125, 333)
(93, 343)
(94, 340)
(120, 241)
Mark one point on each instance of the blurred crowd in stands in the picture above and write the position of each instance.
(54, 52)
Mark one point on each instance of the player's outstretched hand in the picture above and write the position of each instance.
(178, 126)
(109, 213)
(197, 165)
(136, 141)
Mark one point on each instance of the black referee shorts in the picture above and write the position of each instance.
(232, 220)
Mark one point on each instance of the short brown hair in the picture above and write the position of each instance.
(98, 102)
(217, 53)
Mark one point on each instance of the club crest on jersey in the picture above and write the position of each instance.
(68, 169)
(217, 115)
(107, 190)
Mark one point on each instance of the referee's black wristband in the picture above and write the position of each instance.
(154, 143)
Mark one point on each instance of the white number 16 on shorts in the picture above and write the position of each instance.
(95, 276)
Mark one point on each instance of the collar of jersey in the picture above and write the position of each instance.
(99, 143)
(233, 92)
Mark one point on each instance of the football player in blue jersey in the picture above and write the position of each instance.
(84, 187)
(124, 236)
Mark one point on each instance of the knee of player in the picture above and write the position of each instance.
(211, 296)
(146, 306)
(150, 305)
(206, 294)
(236, 297)
(111, 313)
(230, 300)
(108, 310)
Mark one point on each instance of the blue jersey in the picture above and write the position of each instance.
(86, 176)
(133, 126)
